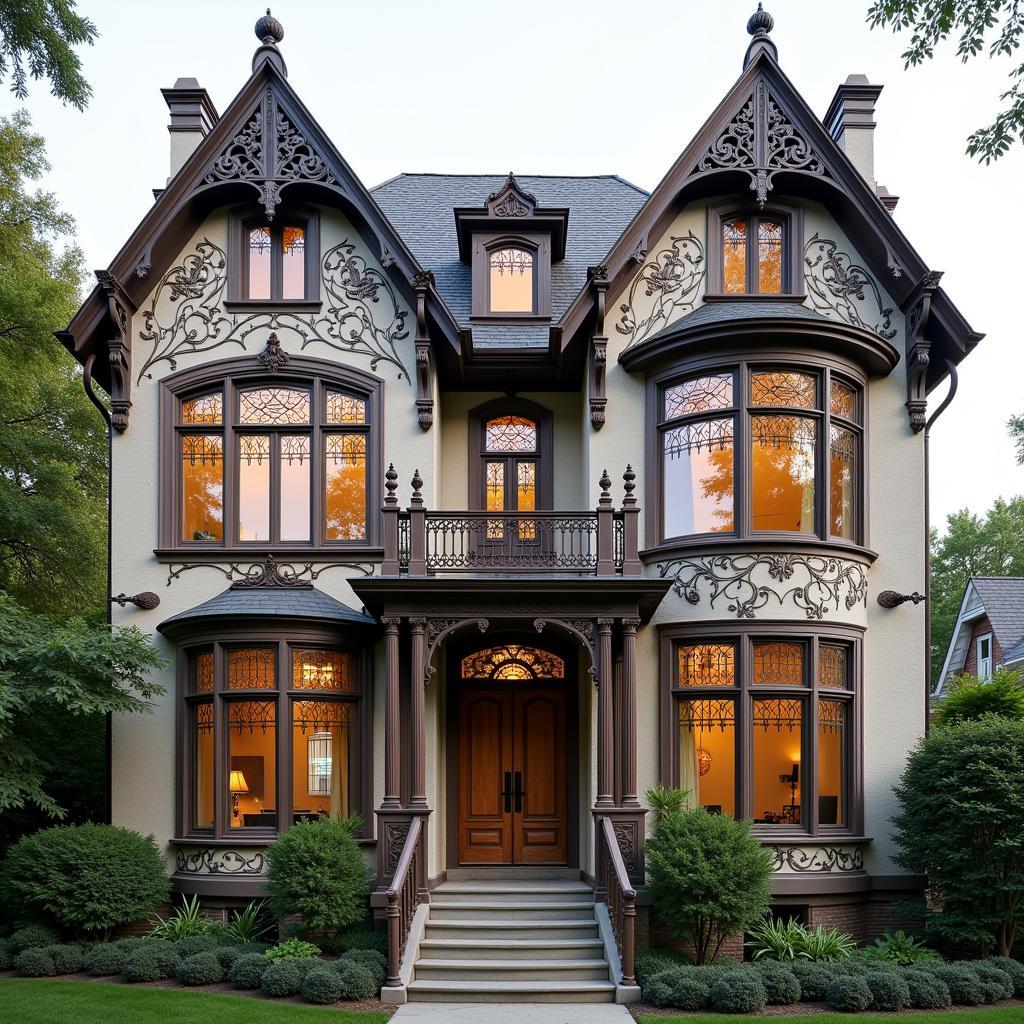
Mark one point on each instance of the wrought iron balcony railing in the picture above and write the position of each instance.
(422, 542)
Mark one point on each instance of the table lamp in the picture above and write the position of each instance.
(237, 785)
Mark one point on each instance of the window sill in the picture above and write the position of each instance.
(259, 553)
(766, 835)
(682, 547)
(795, 297)
(273, 305)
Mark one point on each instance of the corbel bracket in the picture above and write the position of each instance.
(598, 349)
(422, 283)
(119, 349)
(919, 349)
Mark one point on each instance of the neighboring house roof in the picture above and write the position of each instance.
(1001, 599)
(421, 207)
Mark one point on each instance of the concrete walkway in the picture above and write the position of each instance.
(512, 1013)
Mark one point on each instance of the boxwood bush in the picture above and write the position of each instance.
(376, 963)
(34, 963)
(281, 979)
(105, 958)
(322, 986)
(964, 985)
(678, 988)
(996, 982)
(67, 958)
(649, 962)
(151, 962)
(85, 878)
(781, 986)
(192, 944)
(32, 936)
(5, 955)
(227, 955)
(1014, 968)
(927, 992)
(360, 938)
(848, 993)
(200, 969)
(889, 990)
(357, 982)
(248, 970)
(738, 992)
(813, 978)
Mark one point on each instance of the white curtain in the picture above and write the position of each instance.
(689, 775)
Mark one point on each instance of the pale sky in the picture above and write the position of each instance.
(575, 87)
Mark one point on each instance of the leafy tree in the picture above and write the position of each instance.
(995, 26)
(37, 39)
(992, 545)
(968, 699)
(961, 823)
(1016, 428)
(64, 668)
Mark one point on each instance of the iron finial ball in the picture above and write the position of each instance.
(760, 21)
(269, 30)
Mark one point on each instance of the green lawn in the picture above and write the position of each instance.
(84, 1002)
(992, 1015)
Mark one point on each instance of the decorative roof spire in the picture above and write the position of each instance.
(269, 31)
(759, 25)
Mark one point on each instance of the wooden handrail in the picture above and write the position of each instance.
(620, 896)
(402, 899)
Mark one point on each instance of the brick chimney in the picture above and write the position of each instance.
(850, 120)
(193, 115)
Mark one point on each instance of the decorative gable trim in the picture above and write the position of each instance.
(511, 201)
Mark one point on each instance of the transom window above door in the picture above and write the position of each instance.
(274, 463)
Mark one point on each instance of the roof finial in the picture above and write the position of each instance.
(269, 31)
(759, 25)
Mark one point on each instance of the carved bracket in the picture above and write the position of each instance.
(582, 629)
(422, 283)
(919, 350)
(437, 630)
(598, 349)
(119, 352)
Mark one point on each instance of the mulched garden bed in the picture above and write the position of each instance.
(809, 1009)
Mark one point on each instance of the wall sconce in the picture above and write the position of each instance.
(237, 785)
(893, 599)
(146, 600)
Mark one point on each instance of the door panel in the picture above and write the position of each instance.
(539, 832)
(485, 755)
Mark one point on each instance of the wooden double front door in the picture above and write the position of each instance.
(513, 769)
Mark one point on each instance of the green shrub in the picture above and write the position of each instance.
(32, 936)
(788, 941)
(827, 945)
(322, 986)
(67, 958)
(738, 992)
(813, 978)
(85, 878)
(248, 970)
(227, 955)
(305, 964)
(964, 985)
(969, 699)
(997, 982)
(678, 988)
(361, 938)
(848, 993)
(185, 922)
(5, 955)
(34, 963)
(293, 949)
(927, 992)
(1014, 968)
(200, 969)
(889, 991)
(357, 981)
(665, 800)
(781, 986)
(105, 958)
(316, 869)
(254, 947)
(376, 963)
(901, 949)
(281, 979)
(709, 876)
(192, 944)
(151, 962)
(649, 962)
(971, 856)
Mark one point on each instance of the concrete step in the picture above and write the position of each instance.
(520, 873)
(470, 930)
(497, 893)
(509, 949)
(509, 910)
(511, 992)
(511, 970)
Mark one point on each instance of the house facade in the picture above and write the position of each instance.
(478, 505)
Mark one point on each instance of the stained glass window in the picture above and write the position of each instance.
(777, 757)
(512, 662)
(202, 672)
(833, 740)
(321, 670)
(734, 256)
(204, 409)
(753, 255)
(699, 395)
(272, 406)
(832, 667)
(511, 434)
(276, 260)
(202, 487)
(844, 400)
(260, 248)
(344, 408)
(783, 473)
(783, 387)
(252, 668)
(707, 754)
(293, 263)
(778, 664)
(769, 256)
(706, 665)
(253, 487)
(252, 760)
(511, 281)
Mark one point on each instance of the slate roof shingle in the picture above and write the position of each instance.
(1003, 598)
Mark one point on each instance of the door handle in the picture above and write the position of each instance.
(519, 792)
(506, 793)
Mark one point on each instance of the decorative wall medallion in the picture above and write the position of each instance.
(672, 278)
(269, 573)
(273, 357)
(361, 315)
(820, 584)
(840, 288)
(212, 860)
(395, 833)
(817, 859)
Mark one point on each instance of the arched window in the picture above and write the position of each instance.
(274, 262)
(512, 663)
(258, 460)
(511, 280)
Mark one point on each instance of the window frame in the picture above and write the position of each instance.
(539, 245)
(742, 364)
(791, 218)
(978, 640)
(232, 376)
(284, 641)
(672, 636)
(240, 221)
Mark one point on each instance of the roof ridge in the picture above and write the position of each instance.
(504, 175)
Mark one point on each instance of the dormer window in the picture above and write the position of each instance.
(754, 253)
(511, 281)
(274, 262)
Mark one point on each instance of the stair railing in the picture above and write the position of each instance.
(403, 896)
(619, 896)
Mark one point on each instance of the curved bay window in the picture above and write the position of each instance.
(762, 727)
(756, 450)
(274, 734)
(275, 463)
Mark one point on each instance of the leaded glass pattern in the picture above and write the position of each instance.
(705, 435)
(254, 449)
(832, 716)
(295, 448)
(202, 449)
(778, 714)
(734, 256)
(344, 408)
(204, 409)
(259, 240)
(252, 716)
(511, 434)
(790, 432)
(345, 483)
(701, 394)
(706, 665)
(778, 664)
(784, 387)
(252, 668)
(843, 400)
(321, 715)
(769, 256)
(273, 406)
(707, 714)
(204, 718)
(511, 662)
(346, 449)
(511, 281)
(293, 241)
(832, 671)
(202, 672)
(322, 670)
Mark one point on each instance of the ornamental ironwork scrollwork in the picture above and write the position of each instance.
(268, 573)
(819, 859)
(211, 861)
(821, 584)
(674, 276)
(841, 288)
(362, 314)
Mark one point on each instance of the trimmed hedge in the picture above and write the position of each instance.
(1014, 968)
(67, 958)
(6, 954)
(32, 936)
(192, 944)
(964, 985)
(357, 981)
(813, 978)
(281, 979)
(248, 970)
(781, 986)
(361, 938)
(888, 991)
(305, 964)
(34, 963)
(738, 992)
(200, 969)
(678, 988)
(151, 962)
(322, 986)
(227, 955)
(649, 962)
(848, 993)
(996, 982)
(105, 958)
(927, 992)
(376, 963)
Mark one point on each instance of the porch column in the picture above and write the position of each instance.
(392, 718)
(629, 628)
(418, 797)
(605, 725)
